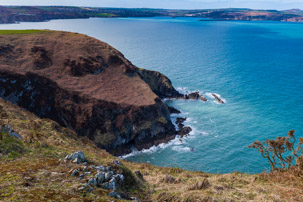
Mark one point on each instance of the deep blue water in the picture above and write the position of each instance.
(257, 67)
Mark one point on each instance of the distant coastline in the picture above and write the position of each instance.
(16, 14)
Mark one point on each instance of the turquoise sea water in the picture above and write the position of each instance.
(257, 67)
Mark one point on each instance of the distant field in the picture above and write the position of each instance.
(101, 15)
(29, 31)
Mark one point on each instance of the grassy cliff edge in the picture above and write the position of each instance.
(32, 169)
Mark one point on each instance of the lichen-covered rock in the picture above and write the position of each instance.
(108, 175)
(107, 185)
(100, 177)
(75, 172)
(77, 157)
(92, 181)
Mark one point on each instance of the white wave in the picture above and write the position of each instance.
(182, 90)
(181, 149)
(152, 149)
(204, 133)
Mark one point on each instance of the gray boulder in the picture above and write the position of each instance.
(100, 177)
(108, 175)
(115, 195)
(77, 157)
(92, 181)
(107, 185)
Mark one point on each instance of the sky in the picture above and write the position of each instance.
(185, 4)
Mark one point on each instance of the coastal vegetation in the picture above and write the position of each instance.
(281, 152)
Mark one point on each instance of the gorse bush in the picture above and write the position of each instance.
(281, 152)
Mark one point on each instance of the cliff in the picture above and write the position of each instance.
(87, 86)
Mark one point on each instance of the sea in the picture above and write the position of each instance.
(255, 67)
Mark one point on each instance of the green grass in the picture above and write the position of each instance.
(28, 31)
(100, 14)
(10, 147)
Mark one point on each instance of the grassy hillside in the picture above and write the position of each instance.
(33, 169)
(28, 31)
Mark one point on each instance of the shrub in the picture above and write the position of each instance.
(280, 153)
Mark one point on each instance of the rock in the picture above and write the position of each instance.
(184, 131)
(81, 188)
(217, 98)
(107, 185)
(77, 157)
(120, 178)
(139, 174)
(87, 173)
(117, 162)
(108, 168)
(108, 175)
(85, 168)
(194, 96)
(100, 168)
(81, 176)
(115, 195)
(100, 177)
(173, 110)
(75, 172)
(180, 120)
(135, 199)
(92, 181)
(200, 185)
(203, 98)
(113, 181)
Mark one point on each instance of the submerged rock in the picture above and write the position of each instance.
(218, 98)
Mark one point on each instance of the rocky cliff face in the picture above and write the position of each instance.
(159, 83)
(88, 86)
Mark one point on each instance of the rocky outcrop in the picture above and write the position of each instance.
(182, 130)
(87, 86)
(218, 98)
(194, 96)
(159, 83)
